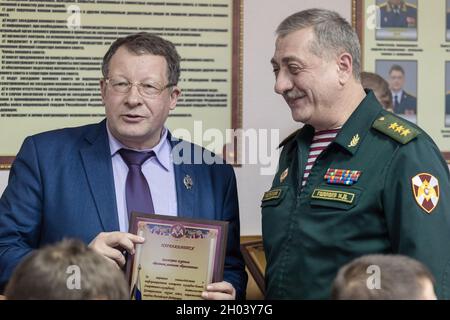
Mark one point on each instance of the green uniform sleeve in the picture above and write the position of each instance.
(416, 202)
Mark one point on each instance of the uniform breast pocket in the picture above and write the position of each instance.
(337, 197)
(274, 196)
(276, 209)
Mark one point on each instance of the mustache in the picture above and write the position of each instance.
(292, 94)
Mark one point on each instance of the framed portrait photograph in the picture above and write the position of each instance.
(397, 20)
(402, 78)
(447, 94)
(447, 19)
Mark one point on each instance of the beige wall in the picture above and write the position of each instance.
(262, 108)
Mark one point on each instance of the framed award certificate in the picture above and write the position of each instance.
(178, 259)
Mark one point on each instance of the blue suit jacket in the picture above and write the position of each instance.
(447, 103)
(408, 102)
(61, 185)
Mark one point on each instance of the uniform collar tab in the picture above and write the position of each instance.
(355, 129)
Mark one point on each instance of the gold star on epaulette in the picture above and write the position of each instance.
(406, 132)
(393, 125)
(396, 128)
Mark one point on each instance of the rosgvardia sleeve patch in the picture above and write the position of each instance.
(426, 191)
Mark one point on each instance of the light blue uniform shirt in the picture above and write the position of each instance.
(158, 171)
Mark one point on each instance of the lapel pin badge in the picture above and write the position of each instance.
(284, 175)
(188, 183)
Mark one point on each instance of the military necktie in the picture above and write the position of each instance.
(137, 192)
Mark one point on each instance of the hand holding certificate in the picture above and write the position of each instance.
(178, 259)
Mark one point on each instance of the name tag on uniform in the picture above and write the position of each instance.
(272, 194)
(333, 195)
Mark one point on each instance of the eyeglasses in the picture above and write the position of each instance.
(147, 89)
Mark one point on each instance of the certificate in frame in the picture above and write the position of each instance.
(178, 259)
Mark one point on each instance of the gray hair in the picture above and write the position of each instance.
(333, 34)
(146, 43)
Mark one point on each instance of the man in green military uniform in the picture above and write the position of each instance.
(380, 186)
(398, 14)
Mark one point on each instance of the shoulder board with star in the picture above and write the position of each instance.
(384, 4)
(396, 128)
(410, 5)
(289, 138)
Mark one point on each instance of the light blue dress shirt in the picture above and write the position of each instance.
(398, 94)
(158, 171)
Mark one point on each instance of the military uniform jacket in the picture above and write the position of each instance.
(399, 204)
(404, 16)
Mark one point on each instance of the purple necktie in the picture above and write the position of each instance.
(137, 191)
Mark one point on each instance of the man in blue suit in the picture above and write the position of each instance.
(447, 103)
(403, 102)
(74, 182)
(448, 20)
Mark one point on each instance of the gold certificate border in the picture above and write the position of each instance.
(221, 227)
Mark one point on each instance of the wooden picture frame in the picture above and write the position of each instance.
(255, 260)
(18, 121)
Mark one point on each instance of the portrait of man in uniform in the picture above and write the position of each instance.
(398, 14)
(397, 20)
(447, 19)
(402, 79)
